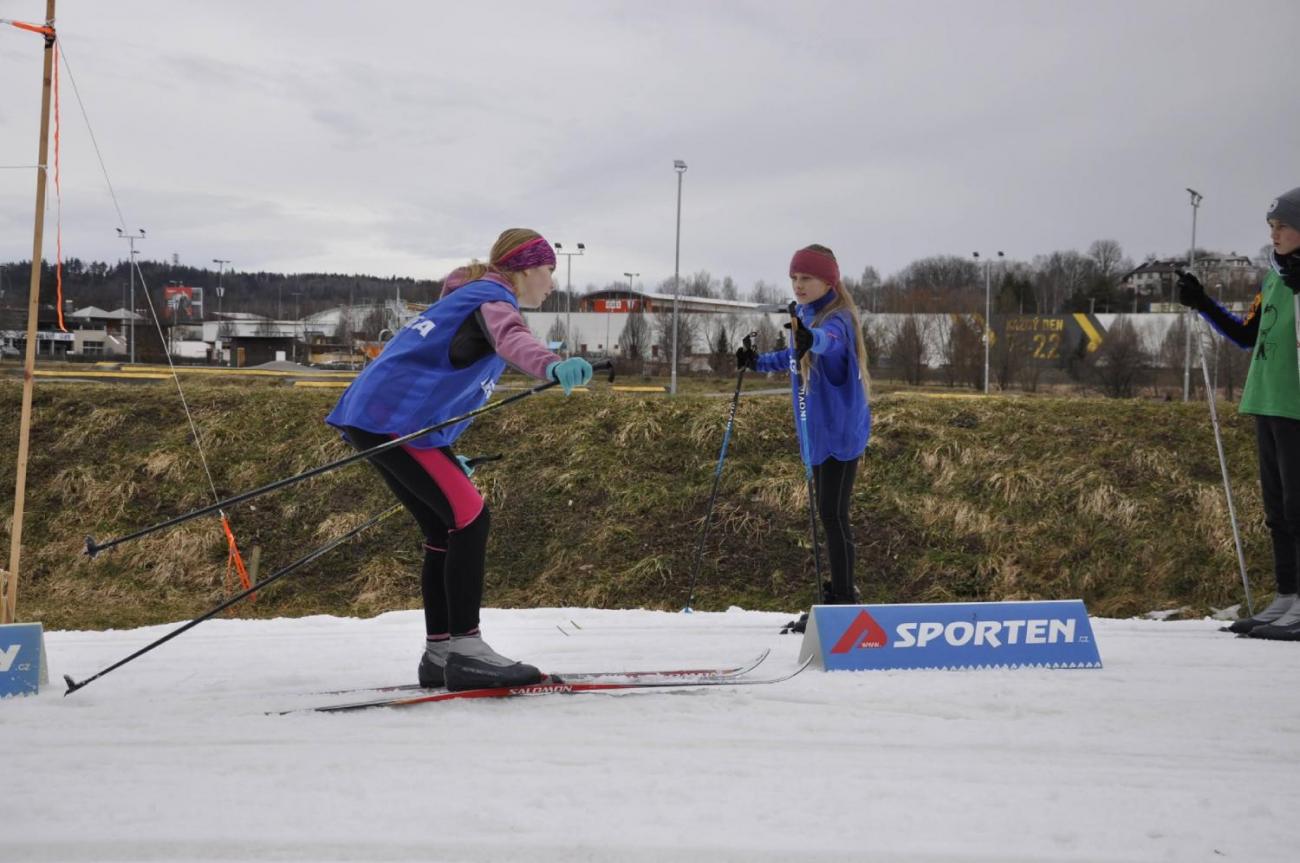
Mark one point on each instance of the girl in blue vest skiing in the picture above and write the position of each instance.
(441, 365)
(828, 357)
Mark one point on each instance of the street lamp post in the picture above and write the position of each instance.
(221, 291)
(297, 322)
(631, 288)
(131, 238)
(1190, 316)
(988, 311)
(568, 294)
(680, 167)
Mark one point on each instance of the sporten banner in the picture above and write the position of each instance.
(1053, 634)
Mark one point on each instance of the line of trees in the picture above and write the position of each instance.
(1055, 283)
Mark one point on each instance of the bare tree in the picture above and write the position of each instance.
(874, 338)
(1009, 354)
(907, 348)
(867, 293)
(687, 328)
(769, 334)
(374, 323)
(1230, 364)
(1059, 276)
(963, 352)
(557, 332)
(1109, 258)
(765, 293)
(635, 337)
(1121, 362)
(701, 284)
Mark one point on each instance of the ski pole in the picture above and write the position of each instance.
(717, 475)
(73, 685)
(93, 548)
(1223, 461)
(801, 388)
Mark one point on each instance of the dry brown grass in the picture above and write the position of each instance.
(601, 498)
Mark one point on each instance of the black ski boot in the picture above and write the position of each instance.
(1280, 605)
(1285, 628)
(796, 626)
(432, 662)
(471, 664)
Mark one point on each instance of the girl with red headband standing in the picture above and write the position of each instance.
(443, 364)
(827, 347)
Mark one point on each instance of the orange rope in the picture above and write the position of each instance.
(234, 560)
(35, 28)
(58, 194)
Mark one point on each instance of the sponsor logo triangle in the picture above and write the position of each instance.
(863, 632)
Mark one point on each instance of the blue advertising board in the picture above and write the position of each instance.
(22, 659)
(1053, 634)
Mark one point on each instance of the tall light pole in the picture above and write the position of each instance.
(131, 238)
(1190, 316)
(631, 287)
(297, 321)
(680, 167)
(221, 291)
(568, 295)
(988, 311)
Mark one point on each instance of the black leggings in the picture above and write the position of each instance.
(451, 580)
(1279, 479)
(833, 480)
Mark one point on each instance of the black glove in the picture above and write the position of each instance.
(746, 358)
(1288, 267)
(800, 339)
(1190, 292)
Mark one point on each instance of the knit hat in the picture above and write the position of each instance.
(817, 261)
(1286, 208)
(535, 252)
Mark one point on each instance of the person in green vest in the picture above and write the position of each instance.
(1272, 396)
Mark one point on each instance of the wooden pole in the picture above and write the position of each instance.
(9, 587)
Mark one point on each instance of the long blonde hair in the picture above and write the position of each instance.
(510, 239)
(843, 301)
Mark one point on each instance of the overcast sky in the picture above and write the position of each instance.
(402, 137)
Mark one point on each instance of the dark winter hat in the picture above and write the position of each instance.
(1286, 208)
(817, 261)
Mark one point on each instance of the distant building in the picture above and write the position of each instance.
(97, 333)
(1156, 280)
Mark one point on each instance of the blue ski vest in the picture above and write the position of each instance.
(412, 385)
(838, 414)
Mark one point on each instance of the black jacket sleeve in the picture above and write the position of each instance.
(1242, 332)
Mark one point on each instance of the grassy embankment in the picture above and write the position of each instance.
(600, 499)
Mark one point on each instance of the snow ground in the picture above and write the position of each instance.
(1182, 748)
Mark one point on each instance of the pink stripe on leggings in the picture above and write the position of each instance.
(466, 502)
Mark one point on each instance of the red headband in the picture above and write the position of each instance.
(818, 264)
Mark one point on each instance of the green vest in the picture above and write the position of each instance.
(1273, 383)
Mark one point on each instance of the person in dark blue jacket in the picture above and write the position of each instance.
(443, 364)
(827, 353)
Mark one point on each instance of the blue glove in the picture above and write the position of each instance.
(570, 373)
(465, 465)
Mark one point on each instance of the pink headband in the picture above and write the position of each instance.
(814, 263)
(532, 253)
